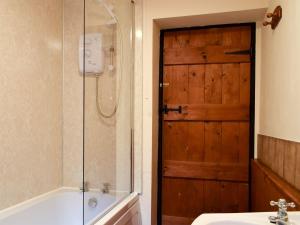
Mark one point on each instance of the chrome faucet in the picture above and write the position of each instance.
(282, 216)
(105, 189)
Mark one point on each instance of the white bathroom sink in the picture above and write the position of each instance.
(242, 218)
(231, 222)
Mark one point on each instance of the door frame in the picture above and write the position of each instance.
(160, 102)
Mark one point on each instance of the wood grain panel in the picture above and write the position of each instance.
(244, 142)
(206, 170)
(176, 77)
(203, 55)
(245, 72)
(225, 197)
(180, 192)
(282, 157)
(237, 37)
(230, 142)
(297, 171)
(214, 37)
(181, 39)
(278, 156)
(196, 142)
(231, 84)
(175, 136)
(206, 146)
(191, 197)
(209, 112)
(206, 45)
(267, 186)
(213, 141)
(289, 168)
(236, 197)
(175, 220)
(213, 84)
(184, 141)
(196, 84)
(243, 197)
(168, 40)
(198, 38)
(212, 197)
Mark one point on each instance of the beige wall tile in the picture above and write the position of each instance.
(72, 96)
(31, 99)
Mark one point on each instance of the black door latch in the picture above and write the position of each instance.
(166, 110)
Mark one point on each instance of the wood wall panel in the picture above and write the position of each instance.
(282, 157)
(267, 185)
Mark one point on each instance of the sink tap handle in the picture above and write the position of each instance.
(273, 203)
(282, 204)
(282, 210)
(291, 204)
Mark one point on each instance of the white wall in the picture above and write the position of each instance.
(280, 92)
(156, 11)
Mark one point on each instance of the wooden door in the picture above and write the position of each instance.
(205, 153)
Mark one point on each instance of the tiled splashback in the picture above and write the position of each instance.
(282, 156)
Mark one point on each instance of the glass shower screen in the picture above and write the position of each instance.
(108, 76)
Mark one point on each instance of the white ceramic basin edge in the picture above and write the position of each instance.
(242, 218)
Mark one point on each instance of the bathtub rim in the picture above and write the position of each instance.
(109, 216)
(117, 211)
(4, 213)
(120, 197)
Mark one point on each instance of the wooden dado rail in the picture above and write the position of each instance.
(267, 185)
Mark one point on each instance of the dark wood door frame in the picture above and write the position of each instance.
(252, 106)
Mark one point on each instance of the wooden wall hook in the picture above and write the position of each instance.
(275, 17)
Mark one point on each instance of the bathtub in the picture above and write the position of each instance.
(62, 207)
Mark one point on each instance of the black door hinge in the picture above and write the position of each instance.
(241, 52)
